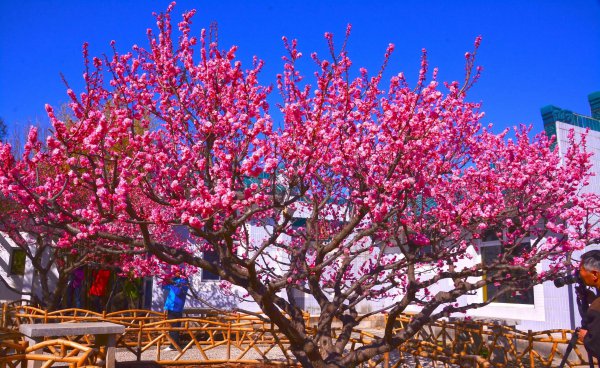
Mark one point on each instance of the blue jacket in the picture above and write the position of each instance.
(177, 292)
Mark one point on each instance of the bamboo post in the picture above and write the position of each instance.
(444, 334)
(4, 321)
(482, 338)
(228, 340)
(138, 351)
(531, 356)
(159, 344)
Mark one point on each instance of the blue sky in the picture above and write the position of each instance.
(534, 53)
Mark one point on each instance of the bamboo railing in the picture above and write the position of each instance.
(501, 346)
(14, 352)
(12, 348)
(224, 338)
(238, 338)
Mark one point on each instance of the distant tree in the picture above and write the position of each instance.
(3, 132)
(52, 265)
(363, 192)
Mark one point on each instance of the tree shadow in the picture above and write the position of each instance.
(140, 364)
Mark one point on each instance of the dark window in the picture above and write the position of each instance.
(425, 250)
(490, 235)
(325, 228)
(212, 257)
(298, 222)
(148, 284)
(491, 253)
(17, 262)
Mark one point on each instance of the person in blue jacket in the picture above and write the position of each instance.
(177, 291)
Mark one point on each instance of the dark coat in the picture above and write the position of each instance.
(591, 322)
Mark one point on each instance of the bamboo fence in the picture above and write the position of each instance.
(238, 338)
(15, 353)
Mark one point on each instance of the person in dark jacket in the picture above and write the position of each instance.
(74, 288)
(177, 291)
(589, 270)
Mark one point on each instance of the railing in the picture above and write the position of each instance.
(241, 338)
(224, 338)
(360, 338)
(14, 352)
(500, 346)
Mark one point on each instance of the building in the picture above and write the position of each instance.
(16, 271)
(546, 306)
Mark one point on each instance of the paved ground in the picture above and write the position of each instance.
(150, 356)
(127, 359)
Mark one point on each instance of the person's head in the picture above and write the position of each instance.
(589, 268)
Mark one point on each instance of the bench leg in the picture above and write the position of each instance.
(108, 345)
(34, 363)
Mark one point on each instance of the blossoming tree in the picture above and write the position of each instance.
(36, 245)
(52, 266)
(361, 190)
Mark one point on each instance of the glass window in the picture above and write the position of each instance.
(212, 257)
(489, 254)
(425, 250)
(298, 222)
(325, 228)
(490, 235)
(17, 262)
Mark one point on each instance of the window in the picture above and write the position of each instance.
(212, 257)
(425, 250)
(491, 252)
(490, 235)
(148, 284)
(298, 222)
(17, 262)
(325, 228)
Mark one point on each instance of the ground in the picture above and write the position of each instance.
(222, 365)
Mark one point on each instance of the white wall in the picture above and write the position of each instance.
(23, 283)
(552, 309)
(593, 146)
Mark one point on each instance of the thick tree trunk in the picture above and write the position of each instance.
(55, 298)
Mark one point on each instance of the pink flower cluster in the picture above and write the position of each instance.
(180, 135)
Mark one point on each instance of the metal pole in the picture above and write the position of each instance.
(571, 306)
(570, 347)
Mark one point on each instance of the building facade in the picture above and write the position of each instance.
(546, 306)
(16, 271)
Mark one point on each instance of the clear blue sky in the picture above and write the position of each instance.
(534, 52)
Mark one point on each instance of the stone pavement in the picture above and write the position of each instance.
(126, 359)
(149, 357)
